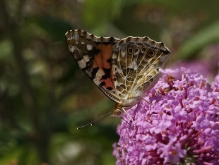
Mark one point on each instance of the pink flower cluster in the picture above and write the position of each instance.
(176, 123)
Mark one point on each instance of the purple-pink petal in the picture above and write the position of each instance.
(179, 125)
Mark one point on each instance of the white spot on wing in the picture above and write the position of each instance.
(86, 58)
(89, 47)
(123, 53)
(133, 65)
(99, 74)
(82, 63)
(76, 36)
(72, 48)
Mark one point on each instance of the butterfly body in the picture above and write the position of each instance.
(122, 68)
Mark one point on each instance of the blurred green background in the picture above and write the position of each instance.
(44, 96)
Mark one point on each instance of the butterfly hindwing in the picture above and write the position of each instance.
(136, 62)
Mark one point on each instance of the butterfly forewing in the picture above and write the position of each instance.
(93, 55)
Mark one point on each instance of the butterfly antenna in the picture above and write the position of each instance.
(95, 121)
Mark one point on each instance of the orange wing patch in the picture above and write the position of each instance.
(102, 60)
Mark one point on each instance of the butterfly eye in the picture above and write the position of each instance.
(150, 53)
(130, 50)
(143, 50)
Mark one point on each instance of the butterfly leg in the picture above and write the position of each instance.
(118, 112)
(128, 114)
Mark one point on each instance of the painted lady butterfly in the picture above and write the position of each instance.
(122, 68)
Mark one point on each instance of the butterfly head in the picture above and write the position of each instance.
(117, 112)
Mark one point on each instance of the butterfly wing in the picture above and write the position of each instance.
(122, 68)
(136, 62)
(93, 55)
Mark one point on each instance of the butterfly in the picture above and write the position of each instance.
(123, 69)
